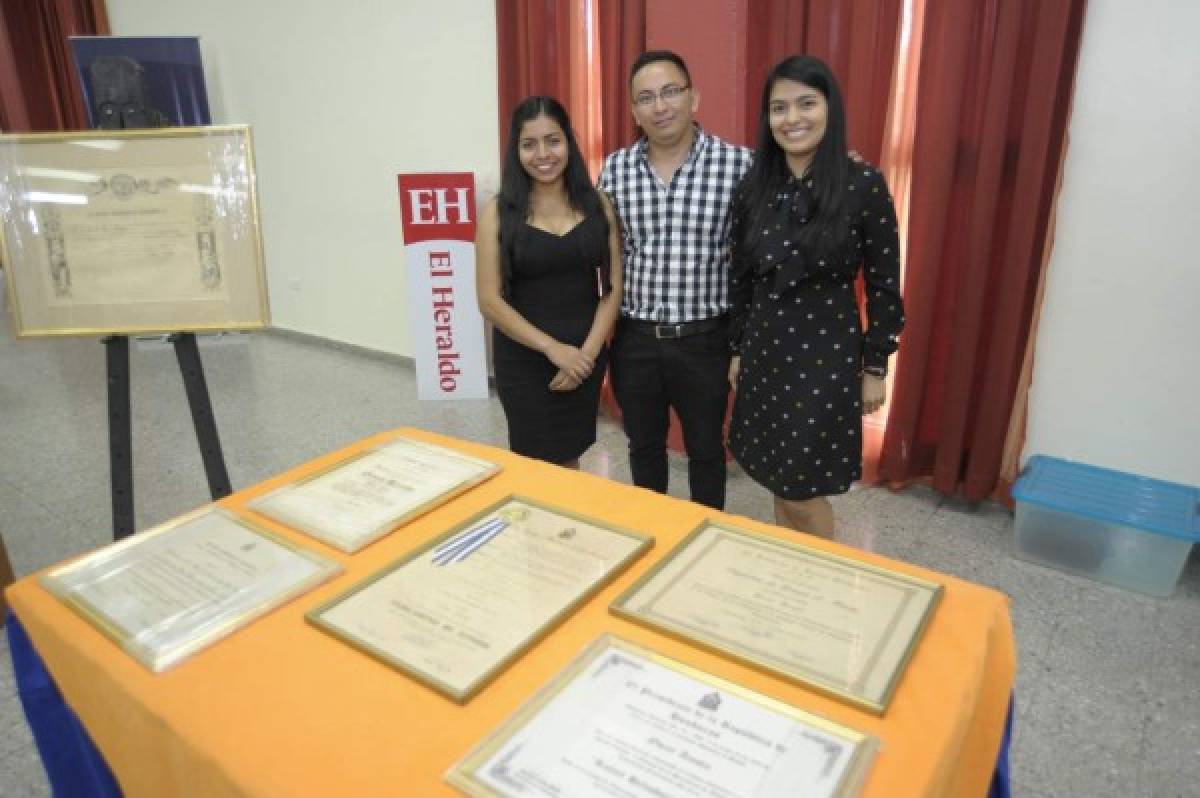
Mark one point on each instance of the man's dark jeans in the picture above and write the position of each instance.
(690, 374)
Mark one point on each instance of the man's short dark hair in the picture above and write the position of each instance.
(655, 56)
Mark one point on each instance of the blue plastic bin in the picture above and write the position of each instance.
(1129, 531)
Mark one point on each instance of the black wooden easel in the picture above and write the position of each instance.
(120, 102)
(120, 427)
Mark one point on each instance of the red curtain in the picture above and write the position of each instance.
(857, 38)
(994, 86)
(622, 39)
(38, 86)
(533, 47)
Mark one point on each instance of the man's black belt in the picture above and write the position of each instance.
(680, 330)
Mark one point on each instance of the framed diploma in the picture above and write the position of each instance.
(361, 499)
(458, 611)
(170, 591)
(128, 231)
(832, 623)
(622, 720)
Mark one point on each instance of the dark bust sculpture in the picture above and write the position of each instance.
(119, 94)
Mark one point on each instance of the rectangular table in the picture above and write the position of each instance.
(282, 709)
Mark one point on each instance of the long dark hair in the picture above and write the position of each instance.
(515, 187)
(826, 229)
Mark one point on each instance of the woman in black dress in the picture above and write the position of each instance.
(807, 219)
(548, 276)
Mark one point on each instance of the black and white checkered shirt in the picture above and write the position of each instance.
(676, 236)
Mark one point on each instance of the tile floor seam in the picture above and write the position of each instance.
(1140, 773)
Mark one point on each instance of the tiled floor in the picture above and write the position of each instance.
(1108, 693)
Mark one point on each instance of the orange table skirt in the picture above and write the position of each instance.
(281, 709)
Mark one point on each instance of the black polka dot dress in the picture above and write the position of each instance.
(797, 417)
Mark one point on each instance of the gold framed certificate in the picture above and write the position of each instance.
(458, 611)
(129, 231)
(623, 720)
(170, 591)
(838, 625)
(359, 500)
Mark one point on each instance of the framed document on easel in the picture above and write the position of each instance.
(132, 231)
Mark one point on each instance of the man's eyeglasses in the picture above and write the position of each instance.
(668, 94)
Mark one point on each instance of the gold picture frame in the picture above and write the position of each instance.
(460, 609)
(132, 231)
(202, 577)
(658, 718)
(379, 491)
(840, 626)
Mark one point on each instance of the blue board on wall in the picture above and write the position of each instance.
(173, 73)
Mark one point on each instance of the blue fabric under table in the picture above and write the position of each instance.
(1001, 781)
(75, 767)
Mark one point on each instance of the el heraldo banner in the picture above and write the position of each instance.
(438, 213)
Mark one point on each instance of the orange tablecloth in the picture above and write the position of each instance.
(281, 709)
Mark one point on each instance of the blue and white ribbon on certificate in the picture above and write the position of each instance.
(462, 546)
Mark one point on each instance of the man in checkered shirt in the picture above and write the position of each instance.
(672, 192)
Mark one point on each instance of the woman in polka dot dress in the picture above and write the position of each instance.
(807, 218)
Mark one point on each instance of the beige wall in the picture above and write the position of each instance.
(1117, 376)
(342, 97)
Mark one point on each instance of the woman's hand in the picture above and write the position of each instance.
(874, 393)
(735, 366)
(563, 382)
(570, 360)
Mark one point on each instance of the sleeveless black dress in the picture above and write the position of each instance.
(554, 285)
